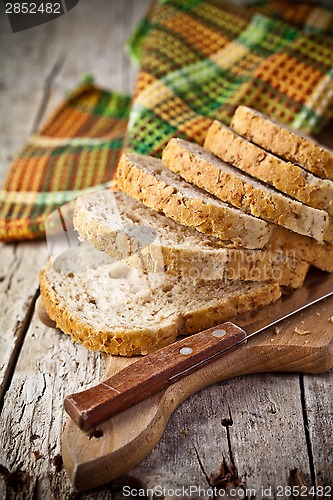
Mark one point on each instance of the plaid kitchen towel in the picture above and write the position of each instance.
(312, 17)
(202, 58)
(79, 147)
(199, 60)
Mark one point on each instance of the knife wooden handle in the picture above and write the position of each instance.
(151, 374)
(123, 441)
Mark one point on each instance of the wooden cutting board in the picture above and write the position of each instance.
(303, 343)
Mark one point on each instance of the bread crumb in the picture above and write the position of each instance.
(318, 314)
(330, 319)
(272, 340)
(301, 332)
(277, 330)
(306, 341)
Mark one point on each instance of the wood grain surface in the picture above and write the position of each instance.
(300, 344)
(268, 429)
(150, 375)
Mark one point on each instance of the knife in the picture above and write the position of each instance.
(158, 370)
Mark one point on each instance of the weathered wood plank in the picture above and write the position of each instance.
(52, 60)
(92, 42)
(49, 60)
(244, 428)
(318, 403)
(267, 434)
(19, 268)
(24, 69)
(32, 419)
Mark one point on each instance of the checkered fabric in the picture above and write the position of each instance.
(202, 58)
(199, 59)
(79, 147)
(312, 17)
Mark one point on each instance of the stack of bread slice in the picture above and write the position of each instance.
(194, 239)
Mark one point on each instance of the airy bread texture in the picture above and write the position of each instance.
(282, 141)
(285, 176)
(119, 225)
(277, 237)
(111, 307)
(147, 180)
(197, 165)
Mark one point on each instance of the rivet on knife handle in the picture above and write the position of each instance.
(150, 374)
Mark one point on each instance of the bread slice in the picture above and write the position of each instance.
(154, 242)
(108, 306)
(279, 238)
(302, 247)
(287, 177)
(147, 180)
(282, 141)
(197, 165)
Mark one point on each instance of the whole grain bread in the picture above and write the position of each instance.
(111, 307)
(285, 176)
(302, 247)
(197, 165)
(283, 141)
(147, 180)
(277, 239)
(126, 229)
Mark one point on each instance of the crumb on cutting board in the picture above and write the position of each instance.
(330, 319)
(301, 332)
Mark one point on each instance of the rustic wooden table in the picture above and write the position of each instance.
(262, 428)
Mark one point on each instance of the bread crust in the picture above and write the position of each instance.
(199, 166)
(285, 176)
(317, 254)
(280, 239)
(118, 342)
(141, 341)
(282, 141)
(210, 218)
(200, 260)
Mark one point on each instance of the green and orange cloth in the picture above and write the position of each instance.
(199, 59)
(75, 150)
